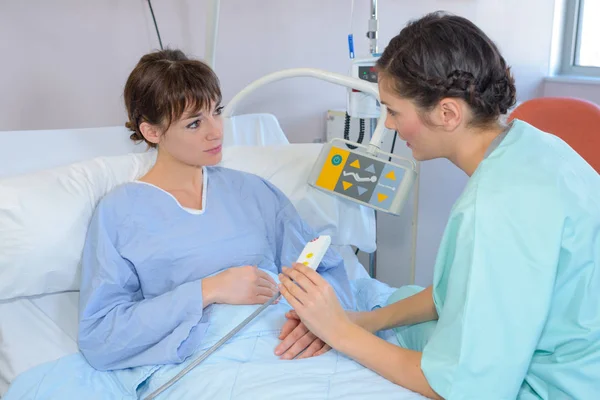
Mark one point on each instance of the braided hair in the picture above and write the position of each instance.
(441, 56)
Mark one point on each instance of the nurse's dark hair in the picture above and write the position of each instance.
(165, 84)
(447, 56)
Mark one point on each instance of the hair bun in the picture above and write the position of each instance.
(504, 92)
(500, 95)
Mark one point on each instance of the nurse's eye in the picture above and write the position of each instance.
(194, 125)
(392, 113)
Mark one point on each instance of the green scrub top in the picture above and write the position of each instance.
(517, 278)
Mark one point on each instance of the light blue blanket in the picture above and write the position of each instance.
(244, 368)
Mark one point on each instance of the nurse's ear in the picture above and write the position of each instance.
(449, 113)
(150, 132)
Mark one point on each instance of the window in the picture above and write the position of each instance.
(581, 45)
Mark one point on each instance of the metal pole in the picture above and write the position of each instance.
(212, 30)
(373, 28)
(373, 255)
(373, 49)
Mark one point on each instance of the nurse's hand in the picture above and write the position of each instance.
(240, 285)
(315, 302)
(296, 339)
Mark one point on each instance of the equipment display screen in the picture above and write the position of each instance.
(368, 74)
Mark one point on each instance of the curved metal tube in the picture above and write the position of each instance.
(332, 77)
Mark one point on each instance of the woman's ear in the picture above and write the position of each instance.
(151, 132)
(450, 113)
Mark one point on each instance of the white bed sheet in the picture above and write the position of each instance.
(35, 330)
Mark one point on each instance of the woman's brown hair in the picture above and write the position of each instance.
(163, 85)
(442, 55)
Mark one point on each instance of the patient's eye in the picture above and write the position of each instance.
(194, 125)
(219, 110)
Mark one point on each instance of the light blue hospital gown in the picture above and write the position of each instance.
(517, 279)
(145, 256)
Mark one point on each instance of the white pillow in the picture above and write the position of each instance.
(44, 216)
(252, 130)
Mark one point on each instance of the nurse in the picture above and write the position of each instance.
(514, 309)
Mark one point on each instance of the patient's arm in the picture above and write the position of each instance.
(239, 285)
(411, 310)
(118, 327)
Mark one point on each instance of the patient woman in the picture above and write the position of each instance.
(185, 235)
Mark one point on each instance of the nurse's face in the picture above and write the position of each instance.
(424, 140)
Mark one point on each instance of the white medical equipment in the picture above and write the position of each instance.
(363, 177)
(355, 172)
(361, 104)
(311, 256)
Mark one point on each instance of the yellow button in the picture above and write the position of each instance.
(381, 197)
(305, 263)
(309, 255)
(330, 173)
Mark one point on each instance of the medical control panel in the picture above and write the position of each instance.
(361, 177)
(367, 73)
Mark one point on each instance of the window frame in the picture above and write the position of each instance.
(571, 38)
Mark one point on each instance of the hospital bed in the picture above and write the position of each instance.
(51, 180)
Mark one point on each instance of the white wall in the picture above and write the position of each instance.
(64, 63)
(586, 89)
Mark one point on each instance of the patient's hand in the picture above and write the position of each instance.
(296, 337)
(240, 285)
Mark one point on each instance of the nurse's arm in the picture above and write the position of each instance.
(411, 310)
(396, 364)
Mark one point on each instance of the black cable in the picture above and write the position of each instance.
(357, 250)
(155, 25)
(347, 131)
(393, 144)
(361, 133)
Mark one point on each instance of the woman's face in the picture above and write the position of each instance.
(196, 138)
(403, 117)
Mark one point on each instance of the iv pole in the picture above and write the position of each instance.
(212, 30)
(373, 49)
(373, 27)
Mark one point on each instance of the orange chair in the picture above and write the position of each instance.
(575, 121)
